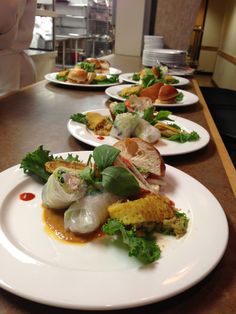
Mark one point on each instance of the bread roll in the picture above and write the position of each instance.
(77, 75)
(151, 91)
(167, 94)
(143, 155)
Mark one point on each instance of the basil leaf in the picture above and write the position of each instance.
(148, 114)
(163, 115)
(104, 156)
(119, 181)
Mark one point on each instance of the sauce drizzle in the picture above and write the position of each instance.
(27, 196)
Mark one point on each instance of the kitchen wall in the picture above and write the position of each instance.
(129, 27)
(175, 21)
(225, 67)
(218, 50)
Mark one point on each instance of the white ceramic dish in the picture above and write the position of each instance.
(98, 275)
(127, 77)
(165, 147)
(51, 77)
(188, 99)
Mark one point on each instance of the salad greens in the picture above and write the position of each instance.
(184, 137)
(145, 249)
(110, 79)
(87, 66)
(79, 117)
(34, 163)
(109, 177)
(149, 77)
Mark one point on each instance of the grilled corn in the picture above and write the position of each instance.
(152, 208)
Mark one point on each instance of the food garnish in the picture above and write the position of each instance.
(111, 191)
(86, 73)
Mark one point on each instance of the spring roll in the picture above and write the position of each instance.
(87, 214)
(63, 187)
(146, 132)
(124, 125)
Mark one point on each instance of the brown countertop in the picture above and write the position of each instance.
(38, 115)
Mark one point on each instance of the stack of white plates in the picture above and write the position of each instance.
(153, 42)
(169, 57)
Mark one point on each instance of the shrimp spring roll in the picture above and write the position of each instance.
(63, 187)
(88, 213)
(124, 125)
(147, 132)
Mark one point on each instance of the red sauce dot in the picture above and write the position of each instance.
(100, 138)
(27, 196)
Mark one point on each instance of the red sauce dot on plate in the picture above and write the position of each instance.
(100, 138)
(27, 196)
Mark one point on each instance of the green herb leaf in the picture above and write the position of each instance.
(88, 175)
(136, 77)
(34, 163)
(149, 78)
(144, 249)
(79, 117)
(148, 114)
(104, 156)
(120, 181)
(111, 79)
(179, 97)
(61, 78)
(87, 66)
(120, 108)
(184, 137)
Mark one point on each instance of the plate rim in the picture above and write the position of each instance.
(55, 81)
(153, 298)
(185, 80)
(171, 153)
(117, 97)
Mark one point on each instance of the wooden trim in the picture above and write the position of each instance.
(227, 56)
(225, 158)
(209, 48)
(46, 13)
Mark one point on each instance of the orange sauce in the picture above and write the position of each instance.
(54, 226)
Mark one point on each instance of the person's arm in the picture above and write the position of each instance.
(9, 10)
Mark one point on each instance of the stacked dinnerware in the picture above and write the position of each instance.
(169, 57)
(153, 42)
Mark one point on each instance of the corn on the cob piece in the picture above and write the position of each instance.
(152, 208)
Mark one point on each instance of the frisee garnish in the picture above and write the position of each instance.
(144, 249)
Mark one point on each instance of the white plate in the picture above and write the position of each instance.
(165, 147)
(114, 71)
(51, 77)
(188, 99)
(98, 275)
(127, 77)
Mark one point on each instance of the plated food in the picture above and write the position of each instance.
(171, 79)
(156, 74)
(122, 92)
(26, 245)
(91, 72)
(166, 146)
(89, 196)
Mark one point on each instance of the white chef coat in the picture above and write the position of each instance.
(16, 28)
